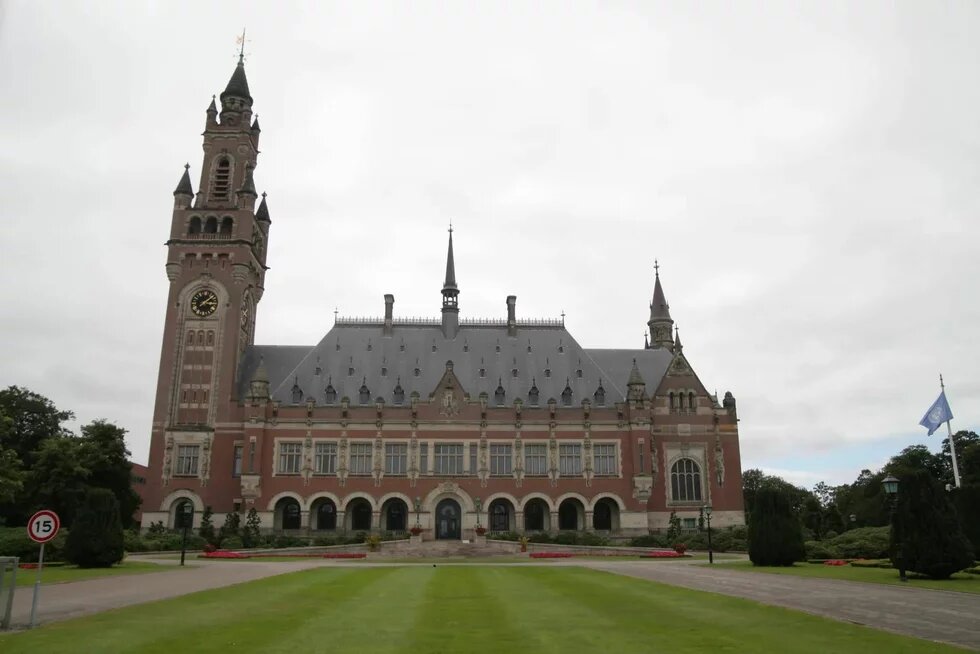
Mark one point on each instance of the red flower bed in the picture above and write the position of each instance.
(344, 555)
(663, 554)
(552, 555)
(223, 554)
(835, 562)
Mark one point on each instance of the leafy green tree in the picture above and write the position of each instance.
(775, 535)
(105, 455)
(926, 536)
(58, 480)
(33, 419)
(251, 532)
(11, 476)
(96, 536)
(233, 523)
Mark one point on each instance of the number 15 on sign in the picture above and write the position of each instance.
(42, 527)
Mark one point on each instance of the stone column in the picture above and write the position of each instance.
(588, 521)
(341, 524)
(376, 521)
(553, 523)
(519, 522)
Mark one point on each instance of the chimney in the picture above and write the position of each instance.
(389, 312)
(512, 315)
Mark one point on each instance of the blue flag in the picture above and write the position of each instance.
(937, 414)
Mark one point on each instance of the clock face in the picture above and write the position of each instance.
(204, 303)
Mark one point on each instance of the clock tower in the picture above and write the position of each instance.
(216, 257)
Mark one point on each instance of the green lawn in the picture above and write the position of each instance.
(66, 573)
(962, 582)
(433, 609)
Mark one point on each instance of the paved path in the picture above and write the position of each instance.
(938, 615)
(71, 600)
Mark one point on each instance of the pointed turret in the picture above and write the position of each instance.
(450, 293)
(259, 384)
(660, 322)
(678, 348)
(262, 214)
(237, 85)
(184, 185)
(255, 125)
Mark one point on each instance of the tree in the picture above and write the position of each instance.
(11, 476)
(233, 522)
(105, 455)
(926, 535)
(96, 536)
(206, 530)
(58, 479)
(673, 527)
(33, 419)
(251, 532)
(775, 535)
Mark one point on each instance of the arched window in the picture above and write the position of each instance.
(190, 337)
(297, 393)
(226, 225)
(364, 393)
(534, 515)
(326, 515)
(691, 404)
(211, 337)
(288, 510)
(685, 481)
(211, 225)
(670, 400)
(195, 226)
(221, 182)
(498, 395)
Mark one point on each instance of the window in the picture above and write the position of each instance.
(533, 395)
(570, 459)
(290, 458)
(364, 395)
(535, 459)
(685, 481)
(325, 459)
(501, 459)
(472, 458)
(236, 461)
(499, 394)
(187, 456)
(396, 458)
(604, 459)
(330, 394)
(566, 395)
(211, 226)
(360, 459)
(449, 459)
(600, 396)
(424, 458)
(221, 185)
(689, 523)
(399, 393)
(195, 226)
(226, 226)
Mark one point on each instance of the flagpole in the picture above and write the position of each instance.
(952, 444)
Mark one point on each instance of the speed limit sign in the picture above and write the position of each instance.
(43, 526)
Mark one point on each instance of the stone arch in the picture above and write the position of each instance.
(450, 491)
(319, 496)
(358, 495)
(395, 510)
(571, 512)
(501, 512)
(173, 501)
(538, 496)
(612, 496)
(323, 510)
(606, 513)
(581, 498)
(275, 500)
(288, 513)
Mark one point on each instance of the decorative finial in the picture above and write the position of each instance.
(263, 195)
(187, 166)
(656, 267)
(335, 308)
(563, 316)
(240, 40)
(450, 226)
(941, 384)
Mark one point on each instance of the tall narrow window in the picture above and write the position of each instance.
(605, 459)
(449, 459)
(570, 459)
(195, 226)
(423, 458)
(227, 224)
(325, 459)
(473, 458)
(221, 182)
(236, 461)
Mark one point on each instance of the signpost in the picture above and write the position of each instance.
(42, 527)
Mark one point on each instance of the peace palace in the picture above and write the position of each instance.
(447, 423)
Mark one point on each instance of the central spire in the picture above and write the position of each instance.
(450, 293)
(660, 322)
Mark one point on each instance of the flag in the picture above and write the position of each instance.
(937, 414)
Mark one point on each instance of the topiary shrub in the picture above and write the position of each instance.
(251, 533)
(96, 538)
(926, 537)
(775, 537)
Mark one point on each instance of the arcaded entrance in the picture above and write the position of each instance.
(448, 518)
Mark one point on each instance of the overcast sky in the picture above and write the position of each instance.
(807, 175)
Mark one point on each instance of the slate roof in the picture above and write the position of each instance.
(352, 355)
(238, 84)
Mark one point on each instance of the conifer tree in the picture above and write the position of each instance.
(96, 537)
(926, 536)
(775, 534)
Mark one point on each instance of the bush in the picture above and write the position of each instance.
(251, 533)
(14, 541)
(926, 537)
(820, 550)
(775, 537)
(156, 528)
(862, 543)
(232, 543)
(650, 540)
(96, 539)
(282, 541)
(872, 563)
(506, 535)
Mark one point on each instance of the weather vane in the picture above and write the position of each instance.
(240, 40)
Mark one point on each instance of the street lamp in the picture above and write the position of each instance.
(890, 484)
(707, 515)
(187, 517)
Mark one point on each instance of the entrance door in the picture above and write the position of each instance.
(447, 520)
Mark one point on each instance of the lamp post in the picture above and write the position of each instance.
(890, 484)
(707, 515)
(187, 516)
